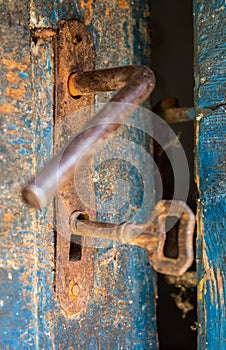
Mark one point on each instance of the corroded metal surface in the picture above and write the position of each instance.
(135, 83)
(150, 235)
(168, 108)
(71, 53)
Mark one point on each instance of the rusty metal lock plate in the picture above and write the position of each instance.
(74, 278)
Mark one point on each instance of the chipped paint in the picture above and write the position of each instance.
(37, 321)
(220, 286)
(210, 131)
(200, 289)
(210, 171)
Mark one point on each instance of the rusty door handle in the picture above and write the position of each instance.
(135, 84)
(150, 235)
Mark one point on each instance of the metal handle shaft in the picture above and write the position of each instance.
(135, 84)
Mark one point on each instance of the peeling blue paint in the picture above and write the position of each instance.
(23, 75)
(210, 170)
(23, 151)
(11, 127)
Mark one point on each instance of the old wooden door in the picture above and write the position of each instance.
(121, 310)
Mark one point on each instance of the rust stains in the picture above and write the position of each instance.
(123, 4)
(107, 13)
(74, 279)
(87, 6)
(11, 64)
(8, 109)
(12, 77)
(16, 94)
(8, 217)
(43, 33)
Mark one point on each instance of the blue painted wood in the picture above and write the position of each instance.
(27, 249)
(211, 169)
(210, 66)
(210, 172)
(121, 311)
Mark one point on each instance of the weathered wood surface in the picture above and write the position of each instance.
(210, 172)
(121, 312)
(211, 243)
(209, 22)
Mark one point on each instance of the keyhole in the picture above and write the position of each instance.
(75, 252)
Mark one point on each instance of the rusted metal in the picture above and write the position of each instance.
(150, 235)
(75, 52)
(168, 108)
(74, 279)
(135, 84)
(43, 33)
(138, 83)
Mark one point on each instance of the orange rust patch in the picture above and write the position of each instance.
(88, 10)
(107, 12)
(10, 64)
(7, 109)
(27, 59)
(17, 94)
(12, 77)
(8, 217)
(43, 33)
(123, 4)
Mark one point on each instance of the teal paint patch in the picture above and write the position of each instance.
(23, 75)
(18, 142)
(23, 151)
(11, 127)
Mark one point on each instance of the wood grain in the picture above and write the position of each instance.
(121, 311)
(210, 171)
